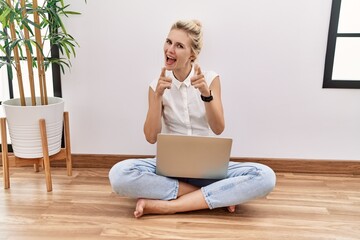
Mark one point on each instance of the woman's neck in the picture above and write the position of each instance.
(182, 74)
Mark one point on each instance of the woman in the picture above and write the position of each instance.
(187, 101)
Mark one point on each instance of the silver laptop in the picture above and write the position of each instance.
(193, 156)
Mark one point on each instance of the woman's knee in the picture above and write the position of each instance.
(269, 179)
(119, 176)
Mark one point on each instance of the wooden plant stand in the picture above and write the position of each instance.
(10, 159)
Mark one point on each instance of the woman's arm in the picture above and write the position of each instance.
(214, 108)
(152, 126)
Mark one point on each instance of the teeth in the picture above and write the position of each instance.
(171, 58)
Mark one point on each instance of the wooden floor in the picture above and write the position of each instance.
(302, 206)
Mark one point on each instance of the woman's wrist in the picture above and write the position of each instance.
(207, 98)
(158, 96)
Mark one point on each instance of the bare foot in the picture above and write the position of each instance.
(139, 209)
(231, 209)
(147, 206)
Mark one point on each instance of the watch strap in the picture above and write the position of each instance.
(207, 99)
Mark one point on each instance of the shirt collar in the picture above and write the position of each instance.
(187, 81)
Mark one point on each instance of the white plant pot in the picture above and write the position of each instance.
(24, 129)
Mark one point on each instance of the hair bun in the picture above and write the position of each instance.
(197, 22)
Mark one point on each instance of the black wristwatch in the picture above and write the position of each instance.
(207, 99)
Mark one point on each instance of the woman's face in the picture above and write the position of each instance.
(177, 50)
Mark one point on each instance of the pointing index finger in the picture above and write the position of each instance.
(197, 69)
(163, 72)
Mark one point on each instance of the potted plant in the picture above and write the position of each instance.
(30, 32)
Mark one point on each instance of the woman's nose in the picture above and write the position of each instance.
(171, 48)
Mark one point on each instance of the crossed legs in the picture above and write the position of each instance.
(190, 198)
(161, 195)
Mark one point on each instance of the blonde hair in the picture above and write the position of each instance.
(194, 30)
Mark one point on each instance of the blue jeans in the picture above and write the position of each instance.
(136, 178)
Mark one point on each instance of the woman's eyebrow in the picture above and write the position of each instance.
(168, 39)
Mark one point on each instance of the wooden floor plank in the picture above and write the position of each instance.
(302, 206)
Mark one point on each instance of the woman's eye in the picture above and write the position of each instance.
(168, 41)
(180, 46)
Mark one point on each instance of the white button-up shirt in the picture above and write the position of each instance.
(183, 110)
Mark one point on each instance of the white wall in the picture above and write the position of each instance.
(269, 54)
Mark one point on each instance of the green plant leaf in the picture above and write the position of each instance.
(51, 14)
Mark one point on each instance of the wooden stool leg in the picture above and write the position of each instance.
(4, 153)
(67, 144)
(45, 154)
(36, 167)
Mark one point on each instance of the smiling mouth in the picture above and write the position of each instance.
(170, 60)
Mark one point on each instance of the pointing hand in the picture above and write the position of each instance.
(198, 81)
(163, 82)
